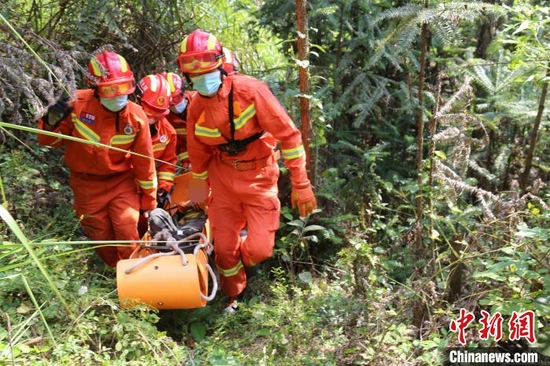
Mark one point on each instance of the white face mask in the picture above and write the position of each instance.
(114, 104)
(180, 107)
(207, 84)
(152, 121)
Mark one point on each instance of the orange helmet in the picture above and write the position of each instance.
(154, 94)
(177, 87)
(110, 73)
(230, 62)
(200, 52)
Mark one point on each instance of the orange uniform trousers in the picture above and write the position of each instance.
(242, 199)
(108, 209)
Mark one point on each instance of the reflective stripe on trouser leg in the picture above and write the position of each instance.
(224, 218)
(241, 199)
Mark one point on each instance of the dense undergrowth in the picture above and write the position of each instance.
(432, 181)
(328, 297)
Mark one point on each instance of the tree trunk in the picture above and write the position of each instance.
(336, 90)
(420, 131)
(419, 308)
(534, 134)
(303, 52)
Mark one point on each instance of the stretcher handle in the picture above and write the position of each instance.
(214, 284)
(205, 245)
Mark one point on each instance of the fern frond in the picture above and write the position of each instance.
(462, 93)
(324, 11)
(403, 12)
(480, 75)
(501, 162)
(482, 172)
(449, 134)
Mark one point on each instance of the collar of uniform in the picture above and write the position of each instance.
(226, 86)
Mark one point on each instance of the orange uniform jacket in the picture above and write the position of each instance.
(180, 125)
(164, 149)
(91, 122)
(255, 109)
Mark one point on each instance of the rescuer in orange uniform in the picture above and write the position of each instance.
(110, 187)
(234, 126)
(230, 63)
(177, 115)
(153, 93)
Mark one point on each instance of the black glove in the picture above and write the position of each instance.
(58, 111)
(162, 198)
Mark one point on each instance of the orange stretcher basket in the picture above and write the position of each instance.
(173, 279)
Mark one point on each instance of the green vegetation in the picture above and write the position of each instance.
(430, 156)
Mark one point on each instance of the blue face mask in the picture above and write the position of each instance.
(114, 104)
(179, 108)
(207, 84)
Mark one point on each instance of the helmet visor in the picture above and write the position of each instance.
(153, 112)
(204, 61)
(114, 90)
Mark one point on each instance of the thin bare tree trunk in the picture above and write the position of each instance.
(303, 52)
(336, 90)
(534, 134)
(420, 132)
(419, 309)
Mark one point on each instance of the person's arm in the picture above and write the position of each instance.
(273, 118)
(166, 169)
(144, 164)
(58, 119)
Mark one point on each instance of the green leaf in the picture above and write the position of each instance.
(312, 238)
(297, 223)
(198, 331)
(305, 277)
(522, 27)
(313, 228)
(440, 154)
(264, 332)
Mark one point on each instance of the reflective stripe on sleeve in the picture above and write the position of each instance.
(147, 184)
(166, 176)
(201, 175)
(293, 153)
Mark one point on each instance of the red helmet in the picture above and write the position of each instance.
(200, 52)
(111, 74)
(177, 87)
(155, 94)
(230, 62)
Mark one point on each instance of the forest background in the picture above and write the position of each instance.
(428, 152)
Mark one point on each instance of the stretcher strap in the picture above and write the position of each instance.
(150, 258)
